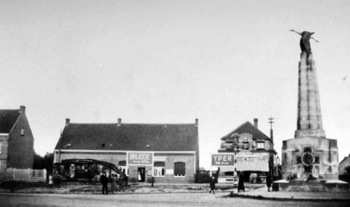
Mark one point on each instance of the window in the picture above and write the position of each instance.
(180, 169)
(245, 146)
(260, 145)
(22, 132)
(298, 159)
(158, 169)
(123, 167)
(317, 158)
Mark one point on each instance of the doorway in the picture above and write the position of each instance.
(141, 175)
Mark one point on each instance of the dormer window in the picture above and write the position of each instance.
(22, 132)
(260, 145)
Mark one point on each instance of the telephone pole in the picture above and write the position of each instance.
(271, 148)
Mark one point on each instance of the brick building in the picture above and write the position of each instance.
(167, 152)
(16, 140)
(252, 148)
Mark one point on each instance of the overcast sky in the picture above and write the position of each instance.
(165, 61)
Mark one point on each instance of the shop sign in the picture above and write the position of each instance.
(169, 171)
(140, 158)
(222, 159)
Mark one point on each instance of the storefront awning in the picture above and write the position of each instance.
(250, 163)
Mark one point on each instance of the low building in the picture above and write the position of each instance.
(253, 152)
(167, 152)
(16, 140)
(344, 166)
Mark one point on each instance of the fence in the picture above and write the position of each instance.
(25, 174)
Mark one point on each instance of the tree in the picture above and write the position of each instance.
(346, 175)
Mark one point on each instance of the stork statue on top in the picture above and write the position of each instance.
(305, 41)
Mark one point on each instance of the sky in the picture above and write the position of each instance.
(162, 61)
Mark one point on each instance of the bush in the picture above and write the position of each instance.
(346, 176)
(202, 177)
(57, 179)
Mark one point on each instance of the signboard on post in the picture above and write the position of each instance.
(140, 158)
(222, 159)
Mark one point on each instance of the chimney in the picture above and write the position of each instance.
(67, 121)
(256, 123)
(22, 109)
(119, 122)
(196, 122)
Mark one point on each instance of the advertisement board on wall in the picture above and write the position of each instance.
(140, 158)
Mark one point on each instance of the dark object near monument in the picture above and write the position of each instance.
(305, 40)
(310, 178)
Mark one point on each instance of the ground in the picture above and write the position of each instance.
(78, 194)
(145, 200)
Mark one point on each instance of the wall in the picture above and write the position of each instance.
(189, 159)
(21, 148)
(171, 158)
(3, 153)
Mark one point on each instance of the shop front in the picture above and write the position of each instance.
(254, 167)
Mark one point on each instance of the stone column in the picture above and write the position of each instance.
(318, 105)
(309, 122)
(303, 121)
(311, 89)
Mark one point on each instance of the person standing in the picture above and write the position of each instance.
(268, 182)
(212, 185)
(120, 181)
(113, 183)
(241, 182)
(104, 181)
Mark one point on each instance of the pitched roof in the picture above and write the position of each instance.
(346, 159)
(8, 119)
(138, 137)
(249, 128)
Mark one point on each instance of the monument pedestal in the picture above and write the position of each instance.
(304, 156)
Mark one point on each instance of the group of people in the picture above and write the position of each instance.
(117, 182)
(240, 186)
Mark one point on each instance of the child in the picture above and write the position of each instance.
(212, 185)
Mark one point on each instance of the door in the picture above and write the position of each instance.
(141, 175)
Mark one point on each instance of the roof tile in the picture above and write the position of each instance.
(138, 137)
(8, 119)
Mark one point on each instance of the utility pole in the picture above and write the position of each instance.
(271, 148)
(271, 130)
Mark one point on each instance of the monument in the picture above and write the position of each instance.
(309, 155)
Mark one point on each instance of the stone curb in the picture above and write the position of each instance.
(260, 197)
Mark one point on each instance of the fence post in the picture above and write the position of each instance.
(14, 173)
